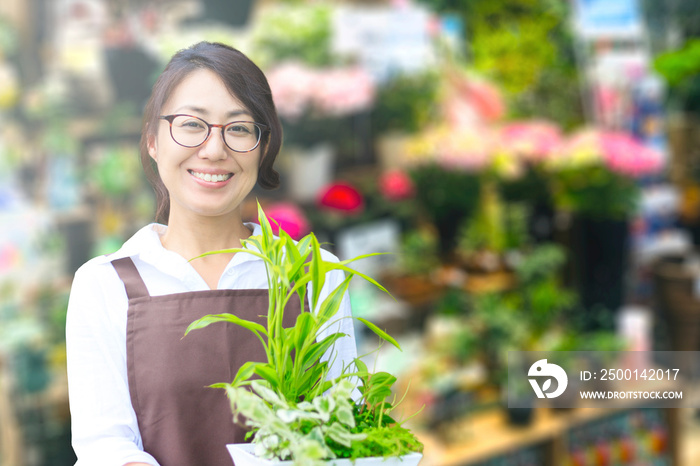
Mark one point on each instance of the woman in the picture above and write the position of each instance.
(138, 390)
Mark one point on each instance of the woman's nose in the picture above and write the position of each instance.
(213, 147)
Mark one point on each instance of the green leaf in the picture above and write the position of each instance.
(342, 266)
(361, 366)
(317, 271)
(345, 416)
(245, 372)
(304, 330)
(268, 373)
(318, 349)
(226, 317)
(232, 251)
(381, 333)
(267, 235)
(330, 305)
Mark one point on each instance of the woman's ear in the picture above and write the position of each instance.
(151, 145)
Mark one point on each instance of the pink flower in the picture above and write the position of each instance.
(341, 196)
(472, 100)
(292, 85)
(396, 185)
(298, 89)
(343, 91)
(289, 217)
(533, 141)
(466, 149)
(626, 155)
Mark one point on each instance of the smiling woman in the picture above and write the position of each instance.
(138, 391)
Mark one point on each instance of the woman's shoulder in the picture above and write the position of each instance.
(140, 242)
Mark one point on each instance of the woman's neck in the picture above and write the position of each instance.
(191, 237)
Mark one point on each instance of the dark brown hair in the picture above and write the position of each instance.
(244, 80)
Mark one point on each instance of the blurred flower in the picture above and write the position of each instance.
(465, 149)
(10, 89)
(290, 84)
(626, 155)
(617, 151)
(594, 173)
(396, 185)
(341, 196)
(471, 100)
(298, 89)
(531, 141)
(289, 217)
(579, 150)
(343, 91)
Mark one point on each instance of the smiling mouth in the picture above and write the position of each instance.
(210, 177)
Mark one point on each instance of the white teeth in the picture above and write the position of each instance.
(210, 177)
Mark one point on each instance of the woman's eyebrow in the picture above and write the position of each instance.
(203, 111)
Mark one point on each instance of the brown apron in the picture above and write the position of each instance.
(182, 421)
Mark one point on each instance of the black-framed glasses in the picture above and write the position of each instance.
(191, 131)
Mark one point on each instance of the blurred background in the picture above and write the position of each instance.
(532, 166)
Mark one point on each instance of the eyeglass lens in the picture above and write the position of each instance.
(240, 136)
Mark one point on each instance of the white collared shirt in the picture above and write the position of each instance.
(104, 427)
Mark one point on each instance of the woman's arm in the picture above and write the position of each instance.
(104, 426)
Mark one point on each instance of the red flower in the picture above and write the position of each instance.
(342, 197)
(396, 185)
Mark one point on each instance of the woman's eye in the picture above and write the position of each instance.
(193, 124)
(239, 129)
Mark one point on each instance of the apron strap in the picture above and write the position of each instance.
(135, 287)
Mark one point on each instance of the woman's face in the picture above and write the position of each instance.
(185, 171)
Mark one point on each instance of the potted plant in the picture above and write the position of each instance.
(295, 415)
(595, 178)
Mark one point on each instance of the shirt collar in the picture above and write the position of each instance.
(145, 244)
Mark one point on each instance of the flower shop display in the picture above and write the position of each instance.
(404, 106)
(525, 147)
(316, 107)
(596, 178)
(293, 411)
(445, 165)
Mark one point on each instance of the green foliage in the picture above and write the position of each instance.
(405, 103)
(501, 32)
(595, 192)
(678, 65)
(681, 70)
(117, 172)
(286, 408)
(419, 252)
(446, 197)
(300, 32)
(515, 319)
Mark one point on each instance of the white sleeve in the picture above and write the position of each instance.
(104, 427)
(345, 349)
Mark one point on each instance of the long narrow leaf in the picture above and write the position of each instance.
(330, 305)
(340, 266)
(233, 251)
(318, 349)
(318, 272)
(226, 317)
(381, 333)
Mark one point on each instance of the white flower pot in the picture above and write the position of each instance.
(242, 455)
(309, 170)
